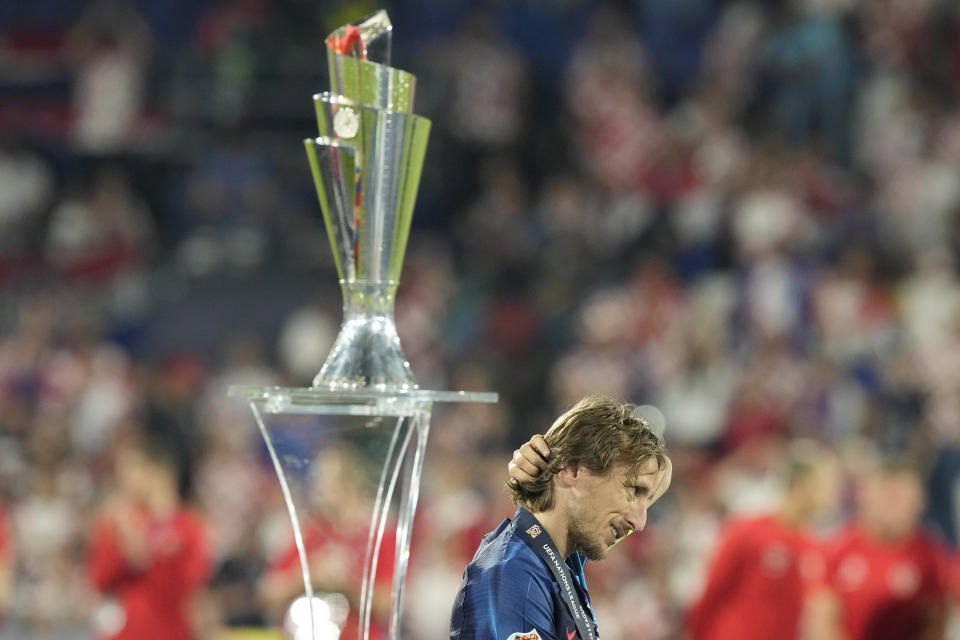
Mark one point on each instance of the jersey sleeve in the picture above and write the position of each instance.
(107, 565)
(193, 561)
(495, 607)
(724, 570)
(537, 612)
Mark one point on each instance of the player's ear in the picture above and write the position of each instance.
(569, 474)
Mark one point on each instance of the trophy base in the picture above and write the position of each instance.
(353, 402)
(367, 352)
(377, 439)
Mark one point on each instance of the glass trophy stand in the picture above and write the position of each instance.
(349, 464)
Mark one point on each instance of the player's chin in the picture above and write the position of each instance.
(596, 551)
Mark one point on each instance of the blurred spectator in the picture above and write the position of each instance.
(229, 472)
(48, 528)
(169, 406)
(852, 306)
(885, 577)
(97, 379)
(335, 540)
(148, 550)
(930, 299)
(769, 389)
(26, 191)
(489, 84)
(697, 395)
(606, 90)
(110, 46)
(808, 69)
(764, 566)
(26, 355)
(102, 231)
(227, 33)
(230, 198)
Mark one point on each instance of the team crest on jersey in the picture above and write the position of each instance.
(533, 532)
(853, 571)
(533, 634)
(904, 580)
(776, 559)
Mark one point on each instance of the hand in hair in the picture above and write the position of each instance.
(528, 461)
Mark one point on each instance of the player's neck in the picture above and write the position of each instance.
(792, 513)
(555, 523)
(882, 535)
(163, 503)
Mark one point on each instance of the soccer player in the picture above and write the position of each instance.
(885, 578)
(526, 580)
(148, 555)
(764, 566)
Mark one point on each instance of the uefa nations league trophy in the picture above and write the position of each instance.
(348, 451)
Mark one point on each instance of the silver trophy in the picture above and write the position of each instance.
(366, 166)
(365, 412)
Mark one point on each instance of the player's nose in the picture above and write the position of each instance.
(637, 518)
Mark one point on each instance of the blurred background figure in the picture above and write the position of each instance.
(335, 538)
(109, 45)
(885, 577)
(28, 189)
(765, 566)
(101, 230)
(746, 213)
(148, 555)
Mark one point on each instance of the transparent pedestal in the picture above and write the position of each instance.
(349, 464)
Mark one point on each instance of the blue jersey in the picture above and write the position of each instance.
(508, 592)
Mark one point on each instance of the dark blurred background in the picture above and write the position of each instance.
(747, 213)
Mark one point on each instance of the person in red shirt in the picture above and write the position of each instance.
(885, 577)
(335, 539)
(148, 555)
(763, 566)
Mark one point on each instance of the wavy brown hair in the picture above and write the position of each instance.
(599, 433)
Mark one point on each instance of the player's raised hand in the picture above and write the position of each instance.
(529, 460)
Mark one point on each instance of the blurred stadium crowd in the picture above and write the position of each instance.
(745, 212)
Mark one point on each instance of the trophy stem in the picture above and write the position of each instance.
(367, 352)
(291, 511)
(408, 507)
(381, 510)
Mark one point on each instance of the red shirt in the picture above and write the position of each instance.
(756, 583)
(154, 600)
(323, 538)
(885, 589)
